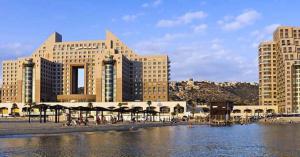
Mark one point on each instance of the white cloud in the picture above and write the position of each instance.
(174, 36)
(129, 18)
(216, 63)
(159, 45)
(145, 5)
(263, 34)
(246, 18)
(155, 3)
(184, 19)
(12, 51)
(200, 28)
(195, 59)
(130, 33)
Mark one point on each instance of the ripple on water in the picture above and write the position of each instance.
(177, 141)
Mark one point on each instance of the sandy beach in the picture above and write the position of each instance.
(281, 120)
(21, 127)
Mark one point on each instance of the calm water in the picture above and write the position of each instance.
(247, 140)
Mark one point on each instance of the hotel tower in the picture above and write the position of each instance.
(279, 70)
(112, 73)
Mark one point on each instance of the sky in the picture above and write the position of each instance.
(213, 40)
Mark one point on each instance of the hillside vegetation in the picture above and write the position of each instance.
(239, 93)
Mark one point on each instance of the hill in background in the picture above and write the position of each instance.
(241, 93)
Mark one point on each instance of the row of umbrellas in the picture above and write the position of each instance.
(91, 108)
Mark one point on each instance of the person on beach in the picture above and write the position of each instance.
(190, 124)
(68, 123)
(97, 120)
(104, 121)
(86, 121)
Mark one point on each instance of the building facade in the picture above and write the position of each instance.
(279, 70)
(112, 73)
(267, 73)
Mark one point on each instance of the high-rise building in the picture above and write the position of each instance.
(267, 73)
(112, 73)
(279, 70)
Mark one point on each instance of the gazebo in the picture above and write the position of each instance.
(220, 111)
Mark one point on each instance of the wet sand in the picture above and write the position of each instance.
(281, 120)
(23, 127)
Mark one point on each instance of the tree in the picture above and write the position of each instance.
(173, 114)
(177, 108)
(90, 106)
(193, 105)
(14, 105)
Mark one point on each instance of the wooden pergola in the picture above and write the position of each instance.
(57, 109)
(43, 109)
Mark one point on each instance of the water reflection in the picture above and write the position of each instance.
(250, 140)
(282, 140)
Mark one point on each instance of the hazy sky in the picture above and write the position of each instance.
(205, 39)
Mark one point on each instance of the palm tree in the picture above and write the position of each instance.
(193, 105)
(90, 106)
(148, 110)
(14, 105)
(88, 111)
(173, 114)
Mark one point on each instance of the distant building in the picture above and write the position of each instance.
(279, 70)
(190, 82)
(112, 73)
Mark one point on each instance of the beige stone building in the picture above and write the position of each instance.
(267, 73)
(279, 70)
(112, 73)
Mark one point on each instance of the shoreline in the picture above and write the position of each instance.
(280, 120)
(35, 128)
(15, 128)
